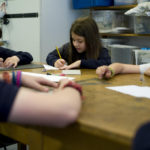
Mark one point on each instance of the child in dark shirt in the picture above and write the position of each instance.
(84, 50)
(11, 58)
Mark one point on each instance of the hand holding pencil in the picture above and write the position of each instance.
(60, 62)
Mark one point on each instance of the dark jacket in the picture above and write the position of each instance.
(25, 57)
(142, 138)
(8, 93)
(103, 59)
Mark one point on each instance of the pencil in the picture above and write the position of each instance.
(58, 52)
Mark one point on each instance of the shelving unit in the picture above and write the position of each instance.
(124, 38)
(123, 7)
(122, 35)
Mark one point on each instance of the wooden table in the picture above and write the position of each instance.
(108, 119)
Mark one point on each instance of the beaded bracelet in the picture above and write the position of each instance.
(75, 86)
(112, 72)
(18, 78)
(13, 78)
(6, 77)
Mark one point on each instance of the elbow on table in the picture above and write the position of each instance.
(69, 117)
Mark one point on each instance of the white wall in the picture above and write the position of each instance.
(23, 33)
(40, 35)
(56, 19)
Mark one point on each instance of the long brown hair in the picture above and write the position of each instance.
(87, 28)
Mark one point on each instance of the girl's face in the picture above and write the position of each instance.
(78, 42)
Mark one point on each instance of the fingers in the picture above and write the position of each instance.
(103, 72)
(60, 63)
(41, 84)
(48, 83)
(65, 68)
(1, 59)
(39, 87)
(8, 63)
(1, 62)
(63, 83)
(100, 71)
(11, 61)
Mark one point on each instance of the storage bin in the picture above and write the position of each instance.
(122, 53)
(125, 2)
(142, 24)
(104, 20)
(141, 56)
(108, 20)
(106, 42)
(142, 1)
(78, 4)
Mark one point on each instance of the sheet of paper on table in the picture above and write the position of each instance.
(133, 90)
(48, 67)
(76, 72)
(54, 78)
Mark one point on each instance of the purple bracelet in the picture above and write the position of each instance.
(18, 78)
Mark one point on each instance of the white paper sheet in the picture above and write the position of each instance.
(48, 67)
(48, 77)
(71, 72)
(133, 90)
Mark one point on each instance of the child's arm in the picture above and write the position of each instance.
(26, 106)
(116, 68)
(103, 59)
(13, 58)
(53, 56)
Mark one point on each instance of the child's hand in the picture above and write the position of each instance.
(59, 63)
(1, 62)
(147, 72)
(37, 83)
(103, 72)
(76, 64)
(62, 84)
(11, 61)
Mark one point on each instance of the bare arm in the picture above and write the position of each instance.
(124, 68)
(57, 109)
(118, 68)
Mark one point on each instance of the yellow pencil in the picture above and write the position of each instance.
(58, 52)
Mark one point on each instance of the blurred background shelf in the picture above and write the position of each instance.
(123, 35)
(123, 7)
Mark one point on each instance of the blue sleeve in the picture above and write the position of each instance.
(53, 56)
(103, 59)
(8, 93)
(142, 138)
(25, 57)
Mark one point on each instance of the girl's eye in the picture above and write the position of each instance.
(80, 41)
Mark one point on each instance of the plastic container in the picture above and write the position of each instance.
(104, 19)
(106, 42)
(142, 25)
(122, 53)
(125, 2)
(142, 1)
(141, 56)
(78, 4)
(108, 20)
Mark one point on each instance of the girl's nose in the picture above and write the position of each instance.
(75, 43)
